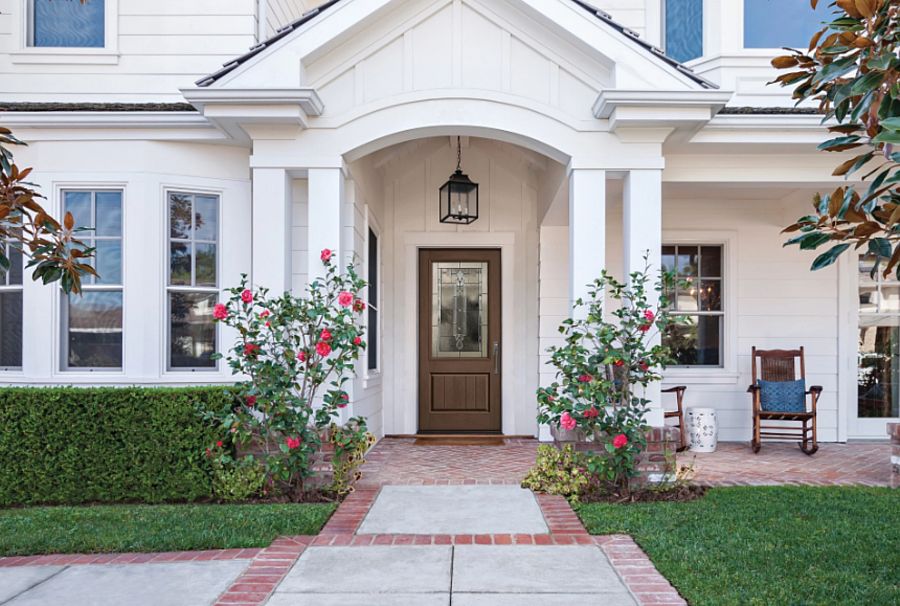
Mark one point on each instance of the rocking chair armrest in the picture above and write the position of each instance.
(753, 389)
(675, 389)
(815, 389)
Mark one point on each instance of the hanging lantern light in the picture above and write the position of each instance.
(459, 195)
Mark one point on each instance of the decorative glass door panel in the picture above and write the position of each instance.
(459, 310)
(878, 353)
(459, 340)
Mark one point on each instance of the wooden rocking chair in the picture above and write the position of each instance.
(678, 413)
(780, 365)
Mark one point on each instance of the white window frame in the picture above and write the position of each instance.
(168, 288)
(27, 53)
(86, 287)
(5, 287)
(373, 376)
(727, 373)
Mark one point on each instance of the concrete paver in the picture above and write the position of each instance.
(360, 599)
(173, 584)
(478, 509)
(542, 599)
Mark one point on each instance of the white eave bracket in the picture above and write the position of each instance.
(231, 109)
(627, 109)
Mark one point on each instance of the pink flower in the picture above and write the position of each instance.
(644, 327)
(345, 299)
(251, 400)
(323, 348)
(265, 313)
(326, 255)
(567, 421)
(247, 296)
(357, 340)
(302, 356)
(359, 305)
(620, 440)
(591, 413)
(251, 349)
(220, 312)
(649, 316)
(325, 335)
(292, 443)
(344, 399)
(585, 378)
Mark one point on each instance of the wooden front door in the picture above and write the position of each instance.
(459, 340)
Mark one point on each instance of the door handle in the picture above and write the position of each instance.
(496, 358)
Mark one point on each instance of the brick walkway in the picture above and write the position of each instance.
(400, 461)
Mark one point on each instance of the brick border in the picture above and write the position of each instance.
(254, 586)
(637, 571)
(70, 559)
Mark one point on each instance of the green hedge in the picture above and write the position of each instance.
(72, 445)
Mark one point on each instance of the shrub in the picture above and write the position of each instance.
(68, 445)
(237, 479)
(561, 472)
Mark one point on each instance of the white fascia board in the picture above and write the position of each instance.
(764, 128)
(610, 100)
(307, 99)
(100, 119)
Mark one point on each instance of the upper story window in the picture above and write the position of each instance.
(67, 23)
(697, 340)
(192, 289)
(778, 23)
(683, 31)
(92, 321)
(11, 310)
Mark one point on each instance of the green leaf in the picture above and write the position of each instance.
(866, 83)
(880, 247)
(891, 123)
(887, 136)
(829, 257)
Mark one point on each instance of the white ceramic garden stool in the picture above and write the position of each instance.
(704, 429)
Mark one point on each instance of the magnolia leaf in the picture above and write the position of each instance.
(829, 257)
(867, 8)
(817, 36)
(785, 61)
(880, 247)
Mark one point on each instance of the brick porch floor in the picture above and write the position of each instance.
(400, 461)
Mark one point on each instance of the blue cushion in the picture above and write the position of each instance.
(783, 396)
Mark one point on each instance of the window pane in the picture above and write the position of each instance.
(695, 341)
(95, 330)
(711, 261)
(687, 261)
(684, 29)
(11, 329)
(109, 213)
(711, 295)
(878, 375)
(69, 24)
(373, 268)
(777, 23)
(180, 264)
(668, 258)
(192, 335)
(108, 261)
(687, 295)
(16, 265)
(372, 340)
(206, 264)
(205, 217)
(179, 216)
(868, 299)
(79, 204)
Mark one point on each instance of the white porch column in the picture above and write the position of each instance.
(587, 230)
(326, 195)
(642, 235)
(271, 265)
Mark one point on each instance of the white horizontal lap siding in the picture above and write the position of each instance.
(300, 235)
(162, 46)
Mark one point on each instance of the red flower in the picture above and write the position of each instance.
(344, 399)
(292, 443)
(326, 255)
(619, 363)
(302, 356)
(620, 440)
(585, 378)
(208, 452)
(251, 400)
(250, 349)
(325, 335)
(359, 305)
(345, 299)
(644, 366)
(591, 413)
(357, 340)
(247, 296)
(220, 312)
(649, 316)
(644, 327)
(323, 348)
(219, 444)
(265, 313)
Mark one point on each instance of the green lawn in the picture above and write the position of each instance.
(115, 528)
(769, 545)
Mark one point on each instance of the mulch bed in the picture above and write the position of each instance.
(681, 493)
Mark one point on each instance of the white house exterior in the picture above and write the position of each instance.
(589, 146)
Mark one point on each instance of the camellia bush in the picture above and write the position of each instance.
(611, 355)
(297, 354)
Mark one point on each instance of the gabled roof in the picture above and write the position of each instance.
(312, 14)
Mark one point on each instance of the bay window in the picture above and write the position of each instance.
(92, 321)
(697, 300)
(192, 285)
(779, 23)
(11, 311)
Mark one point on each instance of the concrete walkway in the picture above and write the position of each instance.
(169, 584)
